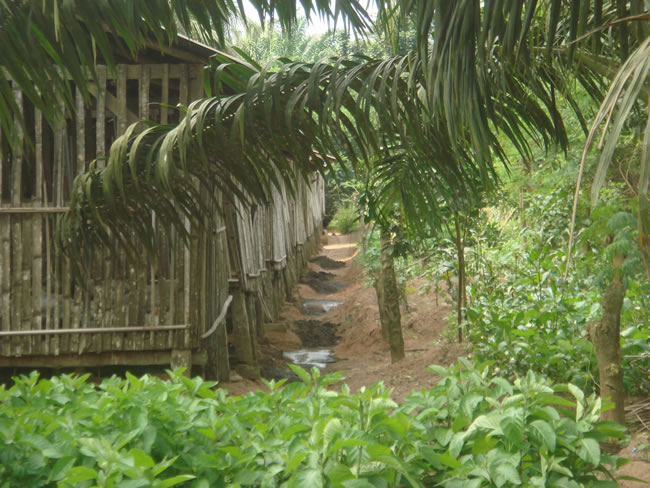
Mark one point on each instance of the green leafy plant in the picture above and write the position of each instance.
(346, 219)
(472, 429)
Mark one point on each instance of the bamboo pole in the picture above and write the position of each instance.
(141, 268)
(17, 231)
(5, 259)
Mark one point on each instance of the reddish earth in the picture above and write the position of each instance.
(361, 351)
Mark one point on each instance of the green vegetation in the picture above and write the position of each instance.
(471, 430)
(466, 85)
(521, 311)
(346, 219)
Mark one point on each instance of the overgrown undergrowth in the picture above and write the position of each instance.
(472, 429)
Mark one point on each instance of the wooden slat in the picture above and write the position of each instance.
(37, 232)
(108, 309)
(5, 277)
(2, 163)
(94, 330)
(5, 260)
(26, 275)
(66, 302)
(56, 321)
(164, 102)
(141, 270)
(77, 343)
(100, 110)
(118, 358)
(119, 305)
(17, 231)
(49, 272)
(122, 120)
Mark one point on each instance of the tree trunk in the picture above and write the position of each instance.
(379, 290)
(461, 302)
(390, 309)
(606, 338)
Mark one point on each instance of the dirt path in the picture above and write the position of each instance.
(351, 331)
(314, 319)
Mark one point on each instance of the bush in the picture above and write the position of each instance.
(471, 430)
(346, 219)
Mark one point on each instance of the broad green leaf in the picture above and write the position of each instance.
(333, 428)
(565, 483)
(358, 483)
(175, 480)
(141, 458)
(589, 451)
(60, 468)
(513, 429)
(456, 444)
(307, 477)
(474, 483)
(248, 477)
(301, 373)
(339, 473)
(79, 474)
(542, 432)
(506, 473)
(295, 461)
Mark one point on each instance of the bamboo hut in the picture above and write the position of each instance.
(133, 313)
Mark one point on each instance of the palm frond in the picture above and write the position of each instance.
(48, 44)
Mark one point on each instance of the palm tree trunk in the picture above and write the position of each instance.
(383, 317)
(606, 337)
(389, 310)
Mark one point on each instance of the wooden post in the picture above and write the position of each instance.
(182, 358)
(246, 365)
(17, 290)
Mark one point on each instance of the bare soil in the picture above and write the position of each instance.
(352, 330)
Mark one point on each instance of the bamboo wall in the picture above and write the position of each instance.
(129, 306)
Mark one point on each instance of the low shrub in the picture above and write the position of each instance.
(345, 220)
(471, 430)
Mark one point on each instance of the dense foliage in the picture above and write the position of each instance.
(522, 312)
(471, 430)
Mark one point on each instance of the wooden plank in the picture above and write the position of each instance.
(118, 358)
(184, 259)
(120, 307)
(179, 290)
(49, 277)
(100, 120)
(2, 163)
(141, 269)
(77, 343)
(66, 302)
(122, 120)
(17, 231)
(131, 306)
(26, 279)
(32, 210)
(37, 232)
(108, 309)
(5, 260)
(164, 102)
(93, 330)
(5, 278)
(56, 280)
